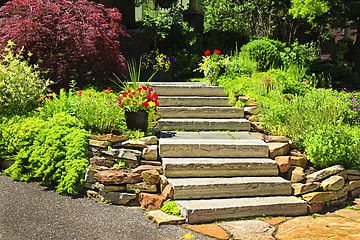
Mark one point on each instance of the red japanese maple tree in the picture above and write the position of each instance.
(70, 39)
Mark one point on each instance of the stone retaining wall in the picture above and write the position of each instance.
(323, 188)
(143, 185)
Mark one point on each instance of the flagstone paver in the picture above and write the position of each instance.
(211, 230)
(337, 228)
(249, 230)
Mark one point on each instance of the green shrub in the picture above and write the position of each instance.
(53, 150)
(298, 54)
(264, 52)
(171, 208)
(240, 64)
(20, 84)
(329, 145)
(99, 111)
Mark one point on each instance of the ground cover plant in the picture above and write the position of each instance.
(69, 40)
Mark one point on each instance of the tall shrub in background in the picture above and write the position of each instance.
(70, 39)
(20, 84)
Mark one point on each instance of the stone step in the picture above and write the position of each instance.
(203, 188)
(201, 112)
(219, 167)
(213, 148)
(193, 101)
(204, 124)
(202, 211)
(188, 90)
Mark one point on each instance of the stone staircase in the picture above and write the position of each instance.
(222, 172)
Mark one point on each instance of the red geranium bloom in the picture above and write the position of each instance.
(207, 53)
(150, 89)
(145, 104)
(144, 87)
(217, 52)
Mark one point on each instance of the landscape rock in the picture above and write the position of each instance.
(302, 188)
(297, 153)
(355, 193)
(297, 174)
(143, 168)
(352, 185)
(133, 163)
(255, 118)
(338, 202)
(102, 161)
(151, 176)
(162, 218)
(350, 214)
(275, 220)
(119, 198)
(91, 193)
(163, 182)
(316, 207)
(353, 172)
(318, 197)
(243, 98)
(211, 230)
(333, 183)
(168, 192)
(319, 175)
(110, 152)
(319, 228)
(6, 163)
(249, 229)
(298, 161)
(90, 175)
(343, 174)
(276, 139)
(129, 154)
(150, 201)
(283, 163)
(142, 187)
(150, 140)
(353, 177)
(98, 143)
(113, 177)
(131, 144)
(111, 138)
(103, 189)
(256, 126)
(278, 149)
(251, 102)
(150, 153)
(258, 135)
(252, 110)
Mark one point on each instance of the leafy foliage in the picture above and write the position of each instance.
(334, 144)
(68, 39)
(20, 84)
(55, 151)
(264, 52)
(171, 208)
(98, 111)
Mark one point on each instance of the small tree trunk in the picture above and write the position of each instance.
(356, 51)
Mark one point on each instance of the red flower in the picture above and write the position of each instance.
(79, 92)
(207, 53)
(108, 90)
(150, 89)
(128, 91)
(145, 104)
(124, 94)
(90, 94)
(139, 89)
(144, 87)
(155, 96)
(217, 52)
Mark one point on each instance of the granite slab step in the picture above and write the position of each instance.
(218, 167)
(204, 188)
(201, 112)
(188, 90)
(213, 148)
(231, 124)
(193, 101)
(202, 211)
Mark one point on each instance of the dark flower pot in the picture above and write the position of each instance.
(137, 120)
